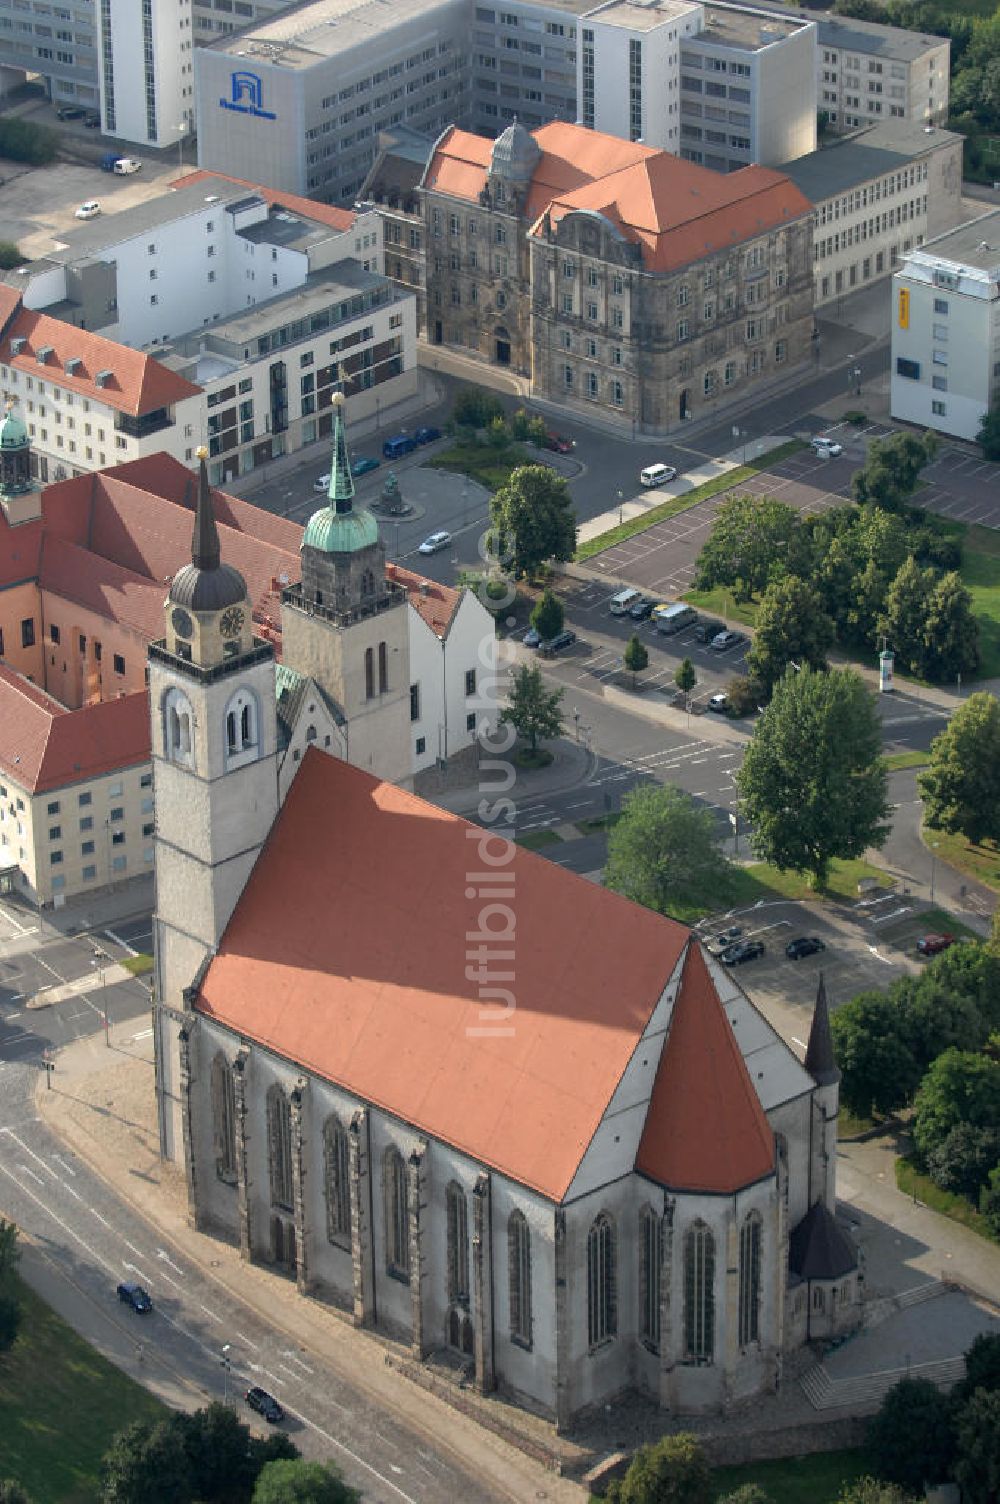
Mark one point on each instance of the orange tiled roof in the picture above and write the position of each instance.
(435, 603)
(309, 208)
(10, 302)
(76, 574)
(137, 383)
(20, 551)
(352, 961)
(44, 746)
(705, 1129)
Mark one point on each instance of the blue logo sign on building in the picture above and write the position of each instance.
(247, 96)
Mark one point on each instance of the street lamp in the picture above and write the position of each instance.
(934, 847)
(621, 505)
(182, 127)
(97, 964)
(227, 1348)
(576, 721)
(854, 380)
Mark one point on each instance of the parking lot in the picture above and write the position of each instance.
(38, 204)
(958, 483)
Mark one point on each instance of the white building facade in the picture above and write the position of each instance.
(946, 330)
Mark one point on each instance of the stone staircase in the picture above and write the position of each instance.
(878, 1311)
(865, 1391)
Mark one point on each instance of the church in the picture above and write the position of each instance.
(474, 1101)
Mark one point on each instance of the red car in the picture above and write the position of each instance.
(558, 444)
(932, 945)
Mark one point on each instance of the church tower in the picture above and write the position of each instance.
(214, 745)
(821, 1064)
(346, 625)
(20, 498)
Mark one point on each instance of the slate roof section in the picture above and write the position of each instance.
(818, 1249)
(380, 1002)
(45, 746)
(705, 1128)
(868, 154)
(820, 1061)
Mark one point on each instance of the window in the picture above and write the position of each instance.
(177, 728)
(414, 702)
(940, 305)
(84, 799)
(470, 721)
(337, 1182)
(89, 873)
(699, 1294)
(55, 857)
(908, 368)
(458, 1244)
(939, 383)
(383, 668)
(602, 1293)
(519, 1274)
(750, 1236)
(118, 813)
(241, 724)
(86, 848)
(28, 632)
(223, 1091)
(470, 681)
(940, 357)
(87, 823)
(395, 1195)
(651, 1256)
(279, 1148)
(421, 745)
(939, 409)
(938, 331)
(119, 663)
(369, 673)
(54, 633)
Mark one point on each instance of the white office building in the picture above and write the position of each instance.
(946, 329)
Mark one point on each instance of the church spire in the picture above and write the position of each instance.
(206, 553)
(341, 488)
(821, 1063)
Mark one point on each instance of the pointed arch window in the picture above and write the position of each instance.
(224, 1118)
(177, 728)
(336, 1182)
(369, 673)
(396, 1208)
(699, 1294)
(519, 1267)
(367, 583)
(457, 1209)
(241, 727)
(383, 668)
(650, 1256)
(279, 1148)
(602, 1283)
(750, 1249)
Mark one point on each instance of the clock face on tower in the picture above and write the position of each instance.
(231, 622)
(181, 623)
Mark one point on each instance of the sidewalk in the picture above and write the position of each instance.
(572, 764)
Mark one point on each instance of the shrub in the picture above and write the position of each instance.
(10, 255)
(24, 141)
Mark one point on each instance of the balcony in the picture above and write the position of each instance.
(395, 595)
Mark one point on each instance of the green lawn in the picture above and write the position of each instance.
(537, 840)
(720, 601)
(981, 574)
(816, 1479)
(481, 462)
(979, 862)
(910, 759)
(759, 881)
(138, 965)
(61, 1404)
(922, 1188)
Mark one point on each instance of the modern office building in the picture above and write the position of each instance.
(946, 329)
(875, 196)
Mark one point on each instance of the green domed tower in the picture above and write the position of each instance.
(15, 456)
(343, 557)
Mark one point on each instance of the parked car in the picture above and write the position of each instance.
(532, 638)
(265, 1404)
(561, 640)
(558, 444)
(706, 630)
(395, 448)
(426, 435)
(434, 543)
(826, 448)
(743, 950)
(363, 464)
(723, 641)
(93, 122)
(322, 482)
(70, 112)
(804, 945)
(719, 703)
(135, 1296)
(125, 166)
(108, 161)
(643, 609)
(725, 938)
(89, 210)
(933, 945)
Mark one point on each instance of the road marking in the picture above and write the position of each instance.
(272, 1376)
(123, 943)
(75, 1194)
(145, 1034)
(21, 929)
(288, 1370)
(58, 1220)
(245, 1339)
(164, 1257)
(31, 1153)
(134, 1269)
(63, 1165)
(10, 1017)
(799, 1042)
(210, 1314)
(294, 1358)
(103, 1220)
(26, 1171)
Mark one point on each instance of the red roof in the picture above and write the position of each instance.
(75, 574)
(309, 208)
(20, 551)
(705, 1129)
(435, 603)
(137, 383)
(354, 962)
(56, 746)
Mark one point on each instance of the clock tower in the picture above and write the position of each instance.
(215, 772)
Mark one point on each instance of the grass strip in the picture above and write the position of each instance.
(910, 759)
(537, 840)
(922, 1188)
(817, 1478)
(981, 863)
(139, 965)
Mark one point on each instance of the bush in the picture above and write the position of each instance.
(963, 1160)
(744, 695)
(672, 1471)
(23, 141)
(476, 409)
(10, 255)
(912, 1438)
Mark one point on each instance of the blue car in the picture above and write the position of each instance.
(394, 449)
(363, 464)
(426, 435)
(135, 1296)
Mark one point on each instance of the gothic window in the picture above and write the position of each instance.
(367, 583)
(699, 1294)
(519, 1266)
(336, 1182)
(279, 1148)
(241, 726)
(602, 1290)
(178, 721)
(458, 1244)
(224, 1118)
(750, 1240)
(396, 1205)
(369, 673)
(383, 668)
(650, 1254)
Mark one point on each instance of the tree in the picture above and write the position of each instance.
(11, 1492)
(147, 1464)
(904, 616)
(533, 710)
(475, 408)
(10, 1254)
(533, 517)
(302, 1482)
(664, 851)
(912, 1438)
(989, 1202)
(748, 1493)
(977, 1470)
(982, 1367)
(748, 535)
(548, 616)
(685, 677)
(960, 1087)
(218, 1448)
(813, 781)
(951, 631)
(792, 628)
(963, 1159)
(988, 436)
(878, 1072)
(961, 787)
(891, 471)
(636, 657)
(873, 1491)
(673, 1470)
(10, 1319)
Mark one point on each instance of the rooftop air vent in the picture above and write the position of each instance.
(102, 378)
(73, 365)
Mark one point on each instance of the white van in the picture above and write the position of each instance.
(622, 603)
(670, 619)
(657, 475)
